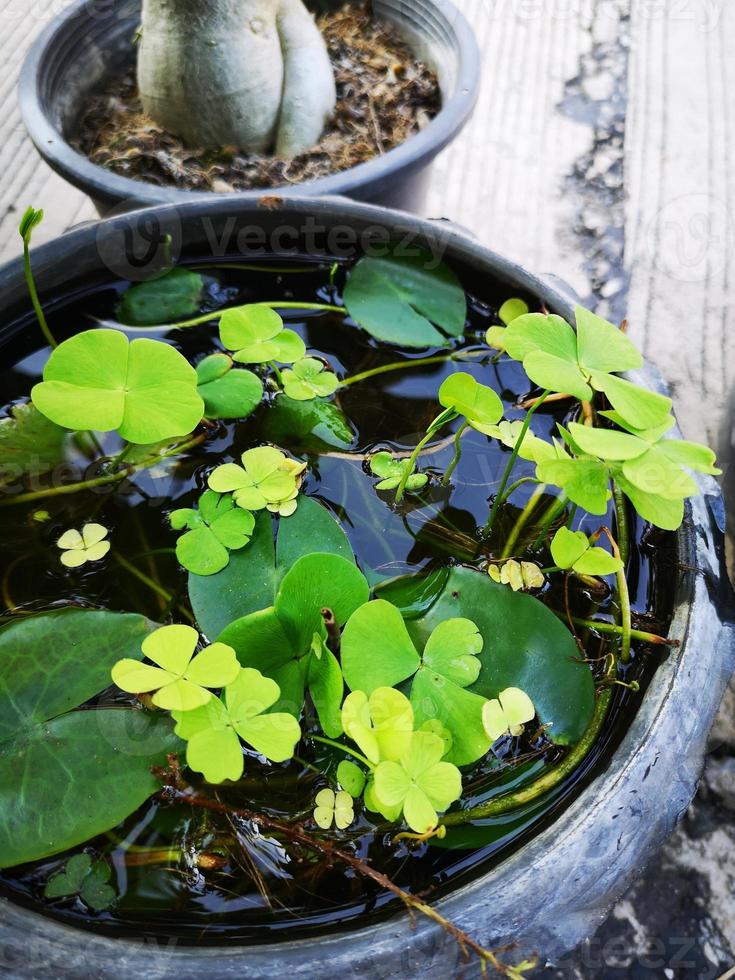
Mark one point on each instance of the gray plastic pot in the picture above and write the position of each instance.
(554, 891)
(92, 39)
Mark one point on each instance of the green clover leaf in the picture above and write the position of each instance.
(512, 309)
(99, 380)
(309, 379)
(391, 473)
(381, 724)
(532, 448)
(378, 652)
(227, 393)
(333, 808)
(585, 481)
(213, 731)
(420, 783)
(557, 358)
(573, 549)
(351, 778)
(479, 404)
(29, 443)
(215, 529)
(257, 336)
(85, 878)
(266, 479)
(180, 679)
(80, 547)
(169, 298)
(287, 640)
(507, 714)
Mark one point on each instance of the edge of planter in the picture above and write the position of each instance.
(555, 890)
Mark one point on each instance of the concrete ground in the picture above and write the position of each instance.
(603, 151)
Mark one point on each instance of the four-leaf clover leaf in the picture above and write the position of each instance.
(180, 679)
(309, 378)
(213, 731)
(86, 878)
(573, 549)
(266, 479)
(77, 548)
(215, 529)
(557, 358)
(99, 380)
(508, 713)
(333, 808)
(420, 783)
(257, 336)
(391, 472)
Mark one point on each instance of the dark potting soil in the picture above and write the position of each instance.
(254, 888)
(384, 96)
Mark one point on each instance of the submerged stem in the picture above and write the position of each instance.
(407, 365)
(623, 599)
(512, 461)
(273, 304)
(613, 628)
(457, 453)
(522, 518)
(549, 517)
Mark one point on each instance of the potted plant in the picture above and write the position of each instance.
(201, 98)
(367, 585)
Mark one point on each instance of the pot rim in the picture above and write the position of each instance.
(368, 178)
(556, 888)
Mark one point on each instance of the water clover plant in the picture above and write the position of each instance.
(308, 379)
(213, 731)
(80, 547)
(381, 724)
(440, 676)
(88, 879)
(333, 808)
(181, 681)
(574, 550)
(267, 478)
(98, 379)
(227, 392)
(214, 529)
(420, 785)
(393, 471)
(257, 336)
(508, 713)
(579, 363)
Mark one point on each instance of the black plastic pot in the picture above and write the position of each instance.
(92, 39)
(555, 890)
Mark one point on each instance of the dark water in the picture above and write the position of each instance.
(258, 887)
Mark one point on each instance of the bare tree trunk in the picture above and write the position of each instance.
(248, 73)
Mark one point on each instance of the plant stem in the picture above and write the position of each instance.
(621, 520)
(512, 461)
(277, 373)
(550, 780)
(623, 599)
(273, 304)
(407, 365)
(613, 628)
(522, 518)
(121, 455)
(343, 748)
(101, 481)
(457, 453)
(401, 488)
(31, 283)
(549, 517)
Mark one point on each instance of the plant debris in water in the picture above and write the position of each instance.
(384, 96)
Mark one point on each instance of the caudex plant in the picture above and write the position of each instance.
(254, 74)
(407, 707)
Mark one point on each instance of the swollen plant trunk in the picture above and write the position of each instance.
(254, 74)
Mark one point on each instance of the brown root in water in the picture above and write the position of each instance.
(384, 96)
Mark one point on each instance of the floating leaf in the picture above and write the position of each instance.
(525, 646)
(266, 479)
(508, 713)
(85, 878)
(420, 783)
(227, 393)
(171, 297)
(309, 378)
(257, 336)
(99, 380)
(391, 472)
(215, 529)
(512, 309)
(311, 426)
(519, 575)
(213, 731)
(412, 302)
(181, 681)
(351, 778)
(333, 808)
(250, 581)
(29, 443)
(78, 548)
